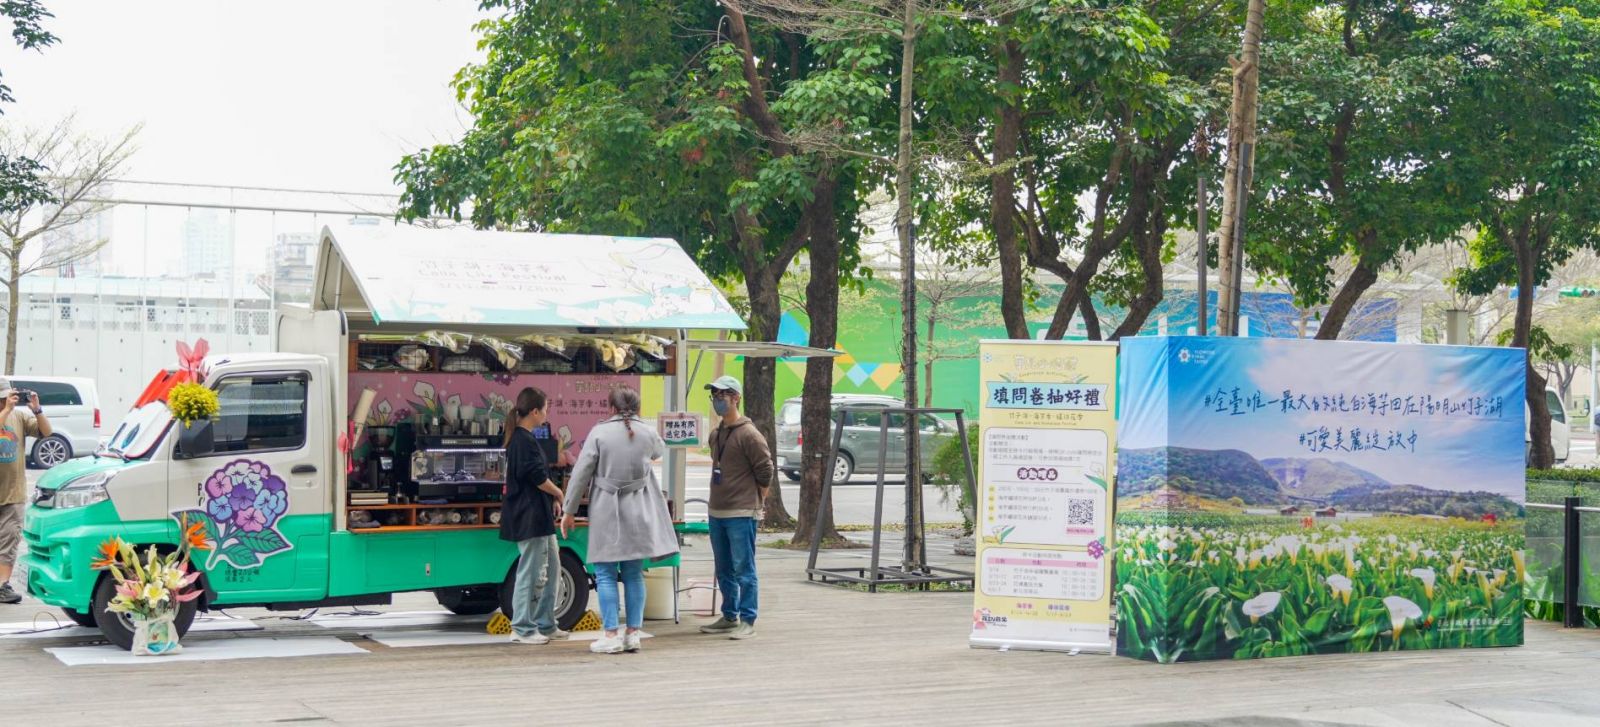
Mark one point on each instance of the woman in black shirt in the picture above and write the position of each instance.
(528, 512)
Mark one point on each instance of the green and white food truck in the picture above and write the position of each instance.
(363, 458)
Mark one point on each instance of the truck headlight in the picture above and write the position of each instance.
(84, 491)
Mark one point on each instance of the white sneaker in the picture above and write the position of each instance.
(608, 645)
(558, 635)
(633, 642)
(534, 639)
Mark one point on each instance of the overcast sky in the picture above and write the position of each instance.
(324, 94)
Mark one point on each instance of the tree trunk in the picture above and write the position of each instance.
(927, 367)
(915, 551)
(1003, 185)
(1541, 453)
(13, 286)
(1236, 182)
(1360, 280)
(761, 378)
(816, 407)
(1091, 318)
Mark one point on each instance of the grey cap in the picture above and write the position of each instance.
(5, 383)
(726, 383)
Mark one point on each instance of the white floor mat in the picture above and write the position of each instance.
(49, 628)
(394, 619)
(408, 639)
(217, 650)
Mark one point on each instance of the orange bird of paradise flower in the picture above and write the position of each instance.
(195, 536)
(110, 550)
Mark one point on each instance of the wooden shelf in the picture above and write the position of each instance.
(419, 528)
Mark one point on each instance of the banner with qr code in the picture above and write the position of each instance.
(1048, 436)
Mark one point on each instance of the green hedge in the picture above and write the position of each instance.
(949, 472)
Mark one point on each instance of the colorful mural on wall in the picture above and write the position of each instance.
(869, 336)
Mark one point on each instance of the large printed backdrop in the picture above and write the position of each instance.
(1282, 497)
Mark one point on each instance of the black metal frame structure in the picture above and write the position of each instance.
(918, 575)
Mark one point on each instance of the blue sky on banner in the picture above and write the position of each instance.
(1478, 447)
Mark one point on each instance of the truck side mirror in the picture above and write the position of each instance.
(195, 440)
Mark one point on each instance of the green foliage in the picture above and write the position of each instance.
(1220, 587)
(949, 473)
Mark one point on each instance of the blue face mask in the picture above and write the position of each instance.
(720, 406)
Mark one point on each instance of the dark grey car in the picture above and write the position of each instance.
(858, 448)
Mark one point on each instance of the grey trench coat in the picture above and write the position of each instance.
(628, 518)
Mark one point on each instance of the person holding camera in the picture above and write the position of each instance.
(19, 420)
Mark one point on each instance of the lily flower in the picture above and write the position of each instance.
(1262, 605)
(1341, 587)
(1521, 565)
(1401, 609)
(1427, 576)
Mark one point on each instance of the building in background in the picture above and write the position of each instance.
(120, 331)
(291, 263)
(207, 245)
(80, 250)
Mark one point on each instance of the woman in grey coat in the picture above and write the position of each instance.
(628, 518)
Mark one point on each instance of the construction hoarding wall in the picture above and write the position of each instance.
(1284, 497)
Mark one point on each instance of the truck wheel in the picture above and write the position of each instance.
(469, 601)
(572, 592)
(793, 475)
(117, 628)
(80, 618)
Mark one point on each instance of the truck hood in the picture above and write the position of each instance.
(73, 469)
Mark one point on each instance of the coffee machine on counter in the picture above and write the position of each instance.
(379, 470)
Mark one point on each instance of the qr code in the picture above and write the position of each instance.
(1080, 512)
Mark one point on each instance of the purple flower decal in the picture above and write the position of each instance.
(243, 502)
(250, 520)
(1097, 549)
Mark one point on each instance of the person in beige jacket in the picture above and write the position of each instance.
(741, 473)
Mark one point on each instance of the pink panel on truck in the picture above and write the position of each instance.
(577, 401)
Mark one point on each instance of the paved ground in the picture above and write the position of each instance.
(824, 655)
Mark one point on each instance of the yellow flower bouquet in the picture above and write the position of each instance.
(190, 402)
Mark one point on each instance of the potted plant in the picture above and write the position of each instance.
(150, 590)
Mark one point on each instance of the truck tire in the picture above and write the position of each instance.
(572, 592)
(80, 618)
(469, 600)
(116, 627)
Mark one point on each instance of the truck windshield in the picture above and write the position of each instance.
(139, 431)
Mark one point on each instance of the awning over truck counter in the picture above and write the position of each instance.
(420, 276)
(760, 349)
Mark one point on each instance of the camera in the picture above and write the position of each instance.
(23, 395)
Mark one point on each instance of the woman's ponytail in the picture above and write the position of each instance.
(625, 402)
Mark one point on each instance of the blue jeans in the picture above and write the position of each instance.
(605, 583)
(538, 572)
(733, 545)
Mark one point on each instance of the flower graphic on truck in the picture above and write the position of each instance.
(242, 503)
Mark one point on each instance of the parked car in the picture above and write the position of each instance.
(1560, 428)
(858, 448)
(73, 406)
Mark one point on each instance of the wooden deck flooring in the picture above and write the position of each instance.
(824, 655)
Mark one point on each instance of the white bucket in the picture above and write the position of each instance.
(702, 594)
(660, 596)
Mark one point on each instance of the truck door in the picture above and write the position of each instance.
(262, 493)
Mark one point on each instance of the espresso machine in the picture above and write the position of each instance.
(380, 472)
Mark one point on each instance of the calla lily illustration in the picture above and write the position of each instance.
(1428, 577)
(1400, 610)
(1341, 587)
(1262, 605)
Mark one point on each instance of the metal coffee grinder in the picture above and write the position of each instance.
(380, 466)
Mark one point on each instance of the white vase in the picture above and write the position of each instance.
(155, 636)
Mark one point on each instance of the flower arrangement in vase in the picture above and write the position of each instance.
(151, 589)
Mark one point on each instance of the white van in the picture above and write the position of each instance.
(1560, 428)
(73, 406)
